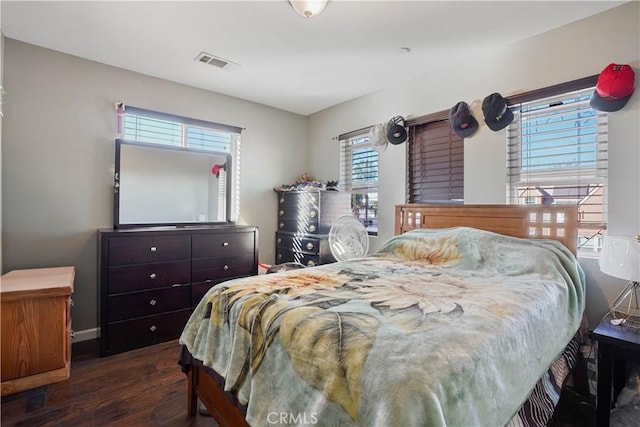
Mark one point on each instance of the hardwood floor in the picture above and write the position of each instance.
(142, 387)
(146, 387)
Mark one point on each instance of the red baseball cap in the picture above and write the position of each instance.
(614, 88)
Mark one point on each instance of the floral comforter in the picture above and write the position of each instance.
(439, 327)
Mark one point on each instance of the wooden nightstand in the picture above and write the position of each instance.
(36, 327)
(616, 346)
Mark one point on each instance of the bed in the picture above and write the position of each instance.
(469, 315)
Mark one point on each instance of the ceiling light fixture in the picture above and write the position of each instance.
(308, 8)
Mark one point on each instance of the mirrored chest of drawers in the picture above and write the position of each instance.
(304, 221)
(150, 280)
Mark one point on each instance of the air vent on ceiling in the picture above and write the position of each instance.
(207, 58)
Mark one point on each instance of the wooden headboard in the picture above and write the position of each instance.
(558, 222)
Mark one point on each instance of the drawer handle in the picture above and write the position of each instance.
(281, 213)
(313, 214)
(153, 328)
(310, 264)
(225, 243)
(309, 246)
(282, 199)
(279, 240)
(153, 248)
(313, 199)
(152, 276)
(279, 256)
(312, 228)
(153, 302)
(225, 267)
(281, 225)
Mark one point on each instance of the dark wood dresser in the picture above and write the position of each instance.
(151, 279)
(304, 221)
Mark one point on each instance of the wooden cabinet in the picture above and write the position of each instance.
(36, 327)
(151, 279)
(304, 221)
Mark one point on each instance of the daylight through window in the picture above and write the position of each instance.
(557, 154)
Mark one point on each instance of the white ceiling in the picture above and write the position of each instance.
(286, 61)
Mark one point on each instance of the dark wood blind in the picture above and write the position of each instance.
(436, 163)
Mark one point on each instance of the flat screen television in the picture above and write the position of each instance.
(163, 185)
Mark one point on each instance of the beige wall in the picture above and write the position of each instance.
(574, 51)
(58, 130)
(58, 158)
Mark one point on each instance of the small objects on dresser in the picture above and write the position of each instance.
(332, 186)
(305, 182)
(304, 177)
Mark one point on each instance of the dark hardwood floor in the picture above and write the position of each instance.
(146, 387)
(142, 387)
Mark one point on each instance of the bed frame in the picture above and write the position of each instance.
(557, 222)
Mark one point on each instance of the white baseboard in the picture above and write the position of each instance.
(87, 334)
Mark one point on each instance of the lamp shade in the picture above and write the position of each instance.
(620, 257)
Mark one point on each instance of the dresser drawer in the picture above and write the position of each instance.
(198, 290)
(146, 303)
(142, 249)
(298, 243)
(222, 244)
(302, 214)
(298, 199)
(286, 255)
(215, 269)
(130, 278)
(309, 226)
(145, 331)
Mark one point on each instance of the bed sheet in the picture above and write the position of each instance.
(439, 327)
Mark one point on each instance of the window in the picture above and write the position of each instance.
(557, 153)
(152, 127)
(435, 164)
(359, 175)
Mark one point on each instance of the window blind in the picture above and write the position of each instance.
(137, 124)
(359, 165)
(359, 176)
(557, 154)
(435, 164)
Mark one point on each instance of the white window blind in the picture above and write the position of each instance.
(557, 154)
(153, 127)
(359, 176)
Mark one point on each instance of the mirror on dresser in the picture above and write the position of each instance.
(163, 185)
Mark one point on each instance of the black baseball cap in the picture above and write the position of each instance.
(462, 121)
(396, 132)
(497, 114)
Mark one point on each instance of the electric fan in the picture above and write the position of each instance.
(348, 239)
